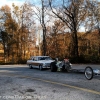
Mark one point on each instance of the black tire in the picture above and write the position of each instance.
(40, 67)
(63, 68)
(30, 67)
(68, 69)
(53, 67)
(88, 73)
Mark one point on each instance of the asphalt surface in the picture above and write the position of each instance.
(18, 82)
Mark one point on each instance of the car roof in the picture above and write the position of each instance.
(40, 56)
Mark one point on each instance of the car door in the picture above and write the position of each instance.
(35, 62)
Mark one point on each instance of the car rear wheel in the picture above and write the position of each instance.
(30, 67)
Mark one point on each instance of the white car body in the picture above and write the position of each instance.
(39, 62)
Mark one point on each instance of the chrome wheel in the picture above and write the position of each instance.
(40, 67)
(88, 73)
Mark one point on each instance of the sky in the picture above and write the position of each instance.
(16, 2)
(20, 2)
(9, 2)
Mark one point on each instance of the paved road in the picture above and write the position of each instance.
(18, 82)
(83, 66)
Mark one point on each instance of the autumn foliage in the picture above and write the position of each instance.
(21, 37)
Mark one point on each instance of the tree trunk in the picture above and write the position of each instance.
(44, 29)
(44, 41)
(75, 52)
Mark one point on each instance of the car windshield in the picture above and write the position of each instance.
(44, 58)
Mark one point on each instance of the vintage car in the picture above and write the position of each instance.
(39, 62)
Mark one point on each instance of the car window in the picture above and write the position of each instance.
(44, 58)
(35, 58)
(41, 58)
(48, 58)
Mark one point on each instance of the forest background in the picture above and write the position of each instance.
(50, 27)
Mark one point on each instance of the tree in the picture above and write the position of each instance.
(41, 15)
(56, 34)
(93, 20)
(44, 29)
(93, 15)
(72, 13)
(9, 26)
(25, 20)
(4, 37)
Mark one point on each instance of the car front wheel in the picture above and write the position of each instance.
(40, 67)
